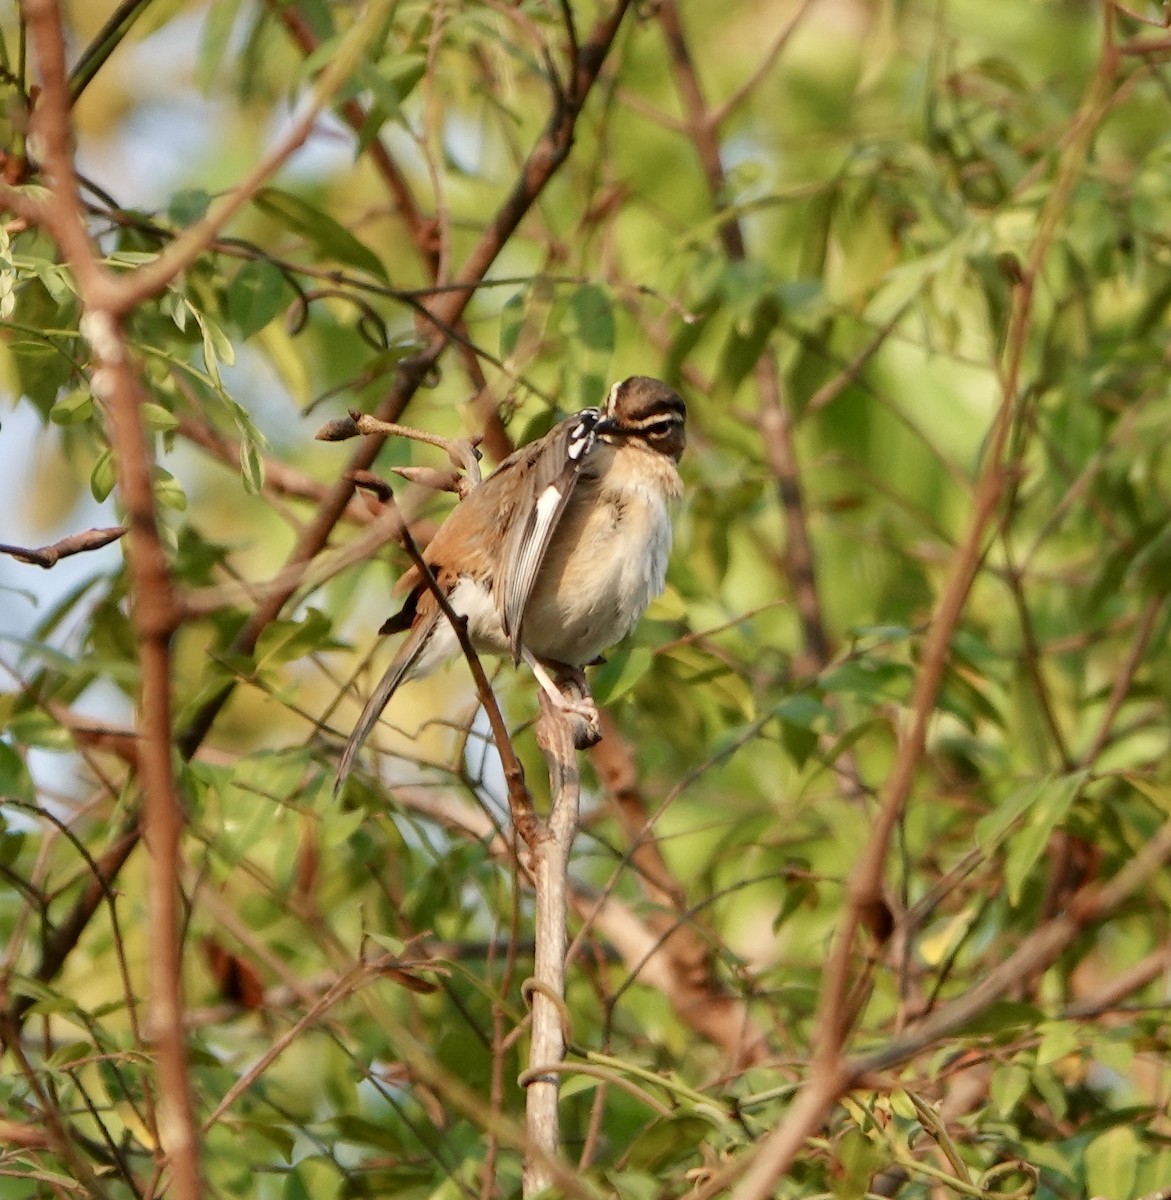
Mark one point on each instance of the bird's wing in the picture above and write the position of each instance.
(399, 669)
(555, 467)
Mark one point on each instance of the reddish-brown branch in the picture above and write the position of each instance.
(154, 607)
(156, 611)
(425, 231)
(776, 1152)
(684, 966)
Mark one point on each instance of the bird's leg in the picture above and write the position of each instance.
(577, 703)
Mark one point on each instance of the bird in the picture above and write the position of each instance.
(555, 556)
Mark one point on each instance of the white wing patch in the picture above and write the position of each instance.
(549, 499)
(555, 476)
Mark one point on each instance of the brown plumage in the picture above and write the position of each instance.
(556, 555)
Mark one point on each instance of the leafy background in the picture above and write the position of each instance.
(916, 301)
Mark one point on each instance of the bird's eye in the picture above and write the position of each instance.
(659, 429)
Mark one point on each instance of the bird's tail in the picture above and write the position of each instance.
(400, 668)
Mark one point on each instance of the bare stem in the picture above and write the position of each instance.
(549, 867)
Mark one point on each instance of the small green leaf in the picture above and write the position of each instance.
(160, 418)
(588, 326)
(188, 206)
(799, 741)
(361, 1132)
(858, 1158)
(102, 477)
(1112, 1160)
(512, 321)
(73, 408)
(1048, 808)
(214, 40)
(1008, 1087)
(217, 346)
(255, 296)
(1058, 1038)
(287, 641)
(591, 318)
(251, 467)
(168, 492)
(621, 672)
(390, 82)
(329, 238)
(69, 1053)
(667, 1141)
(14, 776)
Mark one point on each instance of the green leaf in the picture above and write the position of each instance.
(159, 418)
(288, 641)
(168, 491)
(73, 408)
(14, 777)
(252, 442)
(670, 1140)
(1058, 1039)
(591, 318)
(330, 239)
(102, 478)
(217, 346)
(512, 321)
(588, 327)
(1111, 1161)
(622, 670)
(361, 1132)
(799, 741)
(1008, 1087)
(215, 37)
(390, 82)
(1047, 809)
(188, 206)
(255, 296)
(858, 1157)
(69, 1053)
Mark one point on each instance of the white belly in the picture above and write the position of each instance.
(607, 562)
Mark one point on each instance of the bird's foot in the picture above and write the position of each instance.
(569, 693)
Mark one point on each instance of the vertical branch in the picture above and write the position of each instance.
(155, 610)
(549, 867)
(776, 424)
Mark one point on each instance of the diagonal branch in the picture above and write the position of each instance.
(547, 155)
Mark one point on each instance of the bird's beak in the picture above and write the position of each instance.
(609, 427)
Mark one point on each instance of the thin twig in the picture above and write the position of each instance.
(775, 421)
(75, 543)
(520, 803)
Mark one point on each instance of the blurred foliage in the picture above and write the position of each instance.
(891, 172)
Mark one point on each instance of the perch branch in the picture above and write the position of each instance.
(549, 867)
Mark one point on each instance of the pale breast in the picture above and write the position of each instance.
(608, 559)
